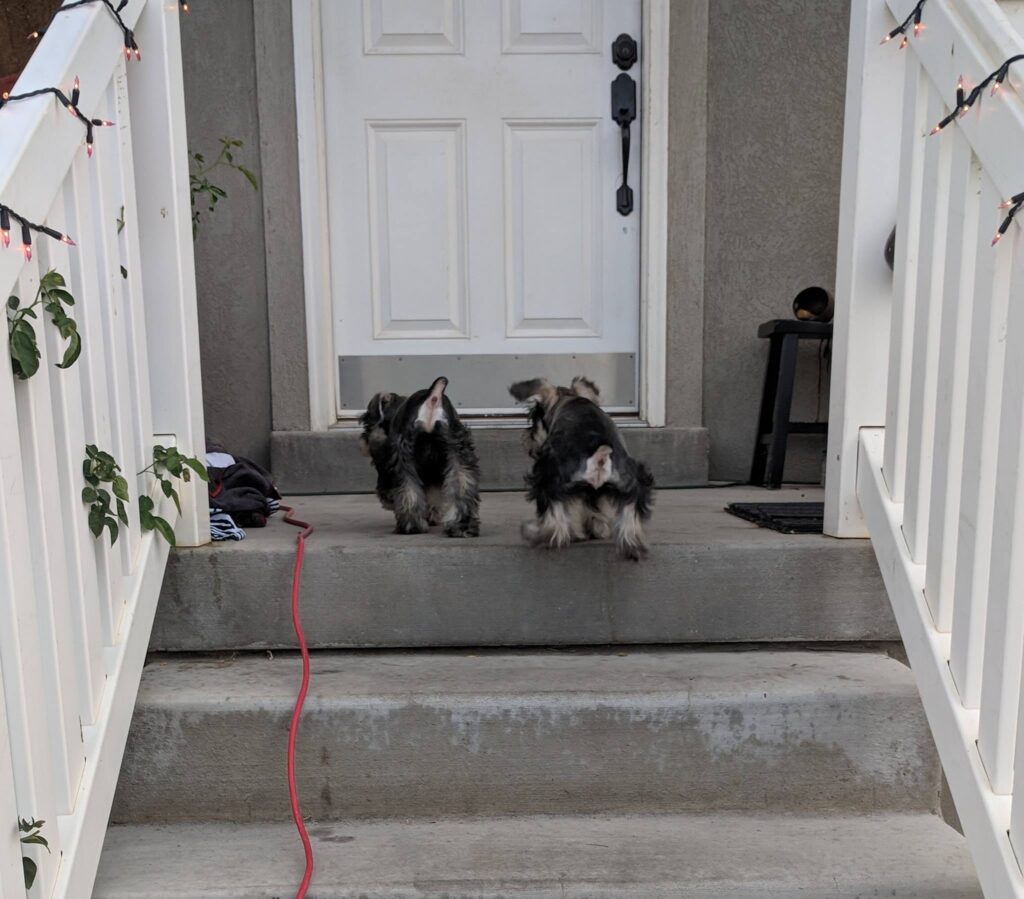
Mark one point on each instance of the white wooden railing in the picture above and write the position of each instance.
(926, 453)
(75, 614)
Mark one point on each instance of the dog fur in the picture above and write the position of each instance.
(427, 468)
(584, 483)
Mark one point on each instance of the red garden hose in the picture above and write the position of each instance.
(300, 552)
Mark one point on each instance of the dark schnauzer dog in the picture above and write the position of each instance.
(427, 468)
(584, 483)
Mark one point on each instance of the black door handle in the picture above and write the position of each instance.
(624, 112)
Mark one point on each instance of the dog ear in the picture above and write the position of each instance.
(539, 390)
(374, 422)
(586, 388)
(374, 413)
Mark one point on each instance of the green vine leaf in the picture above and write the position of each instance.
(168, 463)
(24, 349)
(99, 468)
(33, 837)
(165, 530)
(203, 191)
(120, 488)
(22, 339)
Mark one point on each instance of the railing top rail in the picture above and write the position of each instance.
(38, 139)
(973, 38)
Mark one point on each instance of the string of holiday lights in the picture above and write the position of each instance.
(7, 215)
(1013, 206)
(901, 29)
(69, 103)
(130, 46)
(965, 101)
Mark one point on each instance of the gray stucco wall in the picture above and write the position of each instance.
(220, 101)
(776, 85)
(687, 167)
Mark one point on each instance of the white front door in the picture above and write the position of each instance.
(472, 169)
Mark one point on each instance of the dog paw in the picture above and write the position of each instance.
(632, 552)
(530, 531)
(463, 529)
(410, 526)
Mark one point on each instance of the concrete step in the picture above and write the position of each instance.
(718, 856)
(330, 461)
(710, 578)
(542, 732)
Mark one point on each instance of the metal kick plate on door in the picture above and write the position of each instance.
(480, 383)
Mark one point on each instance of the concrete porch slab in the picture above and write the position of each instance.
(710, 578)
(308, 462)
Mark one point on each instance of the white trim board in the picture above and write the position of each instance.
(654, 52)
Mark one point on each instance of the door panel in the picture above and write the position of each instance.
(552, 230)
(412, 26)
(417, 210)
(472, 165)
(551, 26)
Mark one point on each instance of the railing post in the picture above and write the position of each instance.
(157, 100)
(867, 212)
(11, 882)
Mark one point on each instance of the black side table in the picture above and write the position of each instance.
(774, 426)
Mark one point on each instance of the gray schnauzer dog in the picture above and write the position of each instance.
(584, 483)
(427, 468)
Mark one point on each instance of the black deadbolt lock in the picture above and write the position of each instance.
(624, 52)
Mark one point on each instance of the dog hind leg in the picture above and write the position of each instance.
(628, 529)
(411, 510)
(553, 527)
(461, 499)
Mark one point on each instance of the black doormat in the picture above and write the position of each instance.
(789, 518)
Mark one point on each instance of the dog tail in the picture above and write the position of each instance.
(583, 386)
(538, 390)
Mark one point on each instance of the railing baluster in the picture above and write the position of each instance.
(978, 472)
(925, 338)
(93, 374)
(45, 525)
(908, 227)
(106, 206)
(1017, 803)
(134, 305)
(25, 696)
(951, 400)
(1004, 630)
(12, 884)
(66, 396)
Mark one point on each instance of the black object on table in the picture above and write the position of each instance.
(774, 426)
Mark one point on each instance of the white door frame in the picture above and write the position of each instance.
(316, 264)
